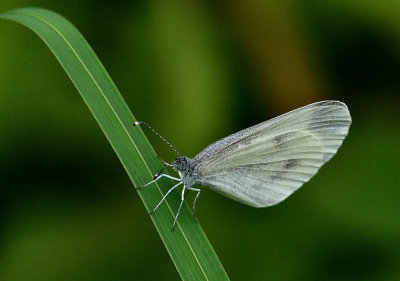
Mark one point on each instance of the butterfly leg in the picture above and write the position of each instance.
(180, 207)
(158, 176)
(187, 191)
(194, 202)
(165, 196)
(164, 162)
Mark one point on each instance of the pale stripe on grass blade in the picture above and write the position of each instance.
(188, 246)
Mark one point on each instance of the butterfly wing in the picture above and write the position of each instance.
(262, 165)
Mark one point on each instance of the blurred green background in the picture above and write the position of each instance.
(197, 71)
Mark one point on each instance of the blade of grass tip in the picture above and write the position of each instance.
(189, 248)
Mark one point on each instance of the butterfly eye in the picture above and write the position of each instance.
(182, 163)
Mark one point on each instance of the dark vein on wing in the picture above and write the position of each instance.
(275, 152)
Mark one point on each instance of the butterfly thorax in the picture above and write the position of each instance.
(186, 168)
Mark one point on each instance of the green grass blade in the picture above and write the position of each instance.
(188, 246)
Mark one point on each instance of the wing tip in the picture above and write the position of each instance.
(330, 103)
(340, 104)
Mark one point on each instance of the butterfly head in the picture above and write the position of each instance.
(180, 164)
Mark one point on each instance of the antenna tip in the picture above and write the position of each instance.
(136, 123)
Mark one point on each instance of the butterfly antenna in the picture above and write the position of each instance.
(148, 126)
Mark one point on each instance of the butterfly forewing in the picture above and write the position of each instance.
(262, 165)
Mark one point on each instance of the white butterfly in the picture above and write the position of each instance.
(262, 165)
